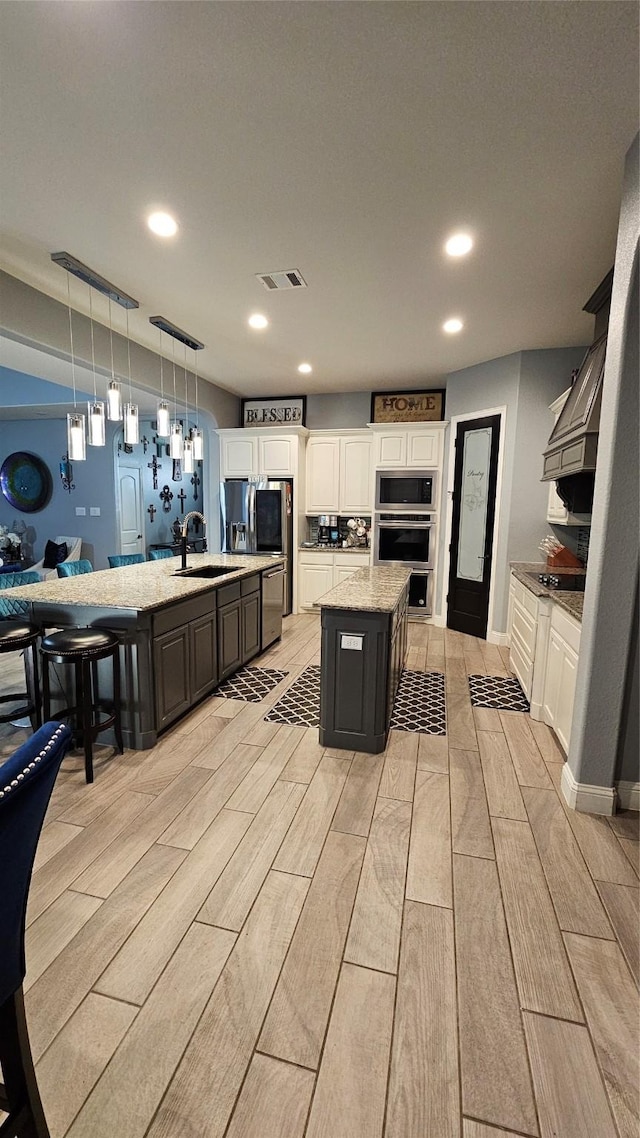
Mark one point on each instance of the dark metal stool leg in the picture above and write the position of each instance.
(85, 711)
(33, 685)
(46, 688)
(117, 706)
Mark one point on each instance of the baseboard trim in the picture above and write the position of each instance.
(585, 797)
(500, 638)
(628, 795)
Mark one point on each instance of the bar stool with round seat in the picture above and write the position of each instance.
(20, 636)
(83, 648)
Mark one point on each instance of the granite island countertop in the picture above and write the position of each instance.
(376, 588)
(572, 602)
(145, 587)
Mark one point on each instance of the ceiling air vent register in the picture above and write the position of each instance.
(283, 278)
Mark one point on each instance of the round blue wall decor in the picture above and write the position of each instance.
(25, 482)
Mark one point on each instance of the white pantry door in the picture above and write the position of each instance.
(130, 501)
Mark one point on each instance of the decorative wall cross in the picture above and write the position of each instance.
(195, 482)
(177, 470)
(152, 511)
(166, 497)
(145, 443)
(182, 497)
(155, 466)
(126, 447)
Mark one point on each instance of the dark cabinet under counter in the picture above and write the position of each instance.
(363, 653)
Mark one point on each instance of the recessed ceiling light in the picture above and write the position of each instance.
(453, 325)
(459, 244)
(162, 224)
(257, 320)
(304, 369)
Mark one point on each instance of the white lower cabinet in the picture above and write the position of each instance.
(319, 572)
(560, 676)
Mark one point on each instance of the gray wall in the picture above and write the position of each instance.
(628, 764)
(344, 409)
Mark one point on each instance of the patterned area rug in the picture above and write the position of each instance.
(419, 706)
(501, 692)
(251, 684)
(300, 705)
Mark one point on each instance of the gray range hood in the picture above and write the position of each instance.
(573, 444)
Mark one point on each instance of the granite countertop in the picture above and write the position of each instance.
(143, 587)
(334, 549)
(572, 602)
(376, 588)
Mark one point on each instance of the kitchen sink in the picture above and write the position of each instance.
(203, 571)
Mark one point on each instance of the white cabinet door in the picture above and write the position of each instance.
(277, 456)
(556, 509)
(552, 678)
(355, 477)
(323, 476)
(314, 581)
(239, 456)
(423, 448)
(566, 693)
(342, 572)
(391, 448)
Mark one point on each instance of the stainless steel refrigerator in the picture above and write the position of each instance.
(257, 517)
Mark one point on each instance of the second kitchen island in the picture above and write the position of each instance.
(180, 634)
(364, 644)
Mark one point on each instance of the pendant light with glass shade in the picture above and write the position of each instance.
(131, 418)
(163, 415)
(187, 446)
(76, 433)
(95, 409)
(196, 434)
(114, 399)
(175, 437)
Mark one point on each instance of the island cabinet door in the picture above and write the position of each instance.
(229, 639)
(204, 655)
(172, 672)
(250, 627)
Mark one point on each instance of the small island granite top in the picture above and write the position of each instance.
(571, 602)
(376, 588)
(144, 587)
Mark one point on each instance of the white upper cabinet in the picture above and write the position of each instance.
(406, 448)
(355, 475)
(251, 453)
(339, 473)
(323, 475)
(278, 455)
(239, 455)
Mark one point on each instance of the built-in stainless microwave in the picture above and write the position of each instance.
(404, 539)
(406, 489)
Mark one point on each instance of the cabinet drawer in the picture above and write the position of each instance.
(524, 628)
(175, 616)
(229, 593)
(316, 559)
(566, 627)
(521, 666)
(250, 585)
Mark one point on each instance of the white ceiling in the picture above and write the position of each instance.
(346, 140)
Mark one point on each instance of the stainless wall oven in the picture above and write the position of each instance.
(406, 490)
(404, 539)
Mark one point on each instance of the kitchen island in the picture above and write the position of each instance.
(180, 634)
(364, 643)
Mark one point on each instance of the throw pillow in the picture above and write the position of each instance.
(54, 554)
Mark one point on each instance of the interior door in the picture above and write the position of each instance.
(474, 501)
(130, 500)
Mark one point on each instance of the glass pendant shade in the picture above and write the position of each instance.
(187, 457)
(97, 431)
(114, 402)
(175, 441)
(76, 437)
(164, 420)
(198, 443)
(131, 425)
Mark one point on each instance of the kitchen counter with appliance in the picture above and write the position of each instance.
(334, 549)
(364, 643)
(569, 598)
(180, 634)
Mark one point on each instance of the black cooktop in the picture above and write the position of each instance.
(569, 582)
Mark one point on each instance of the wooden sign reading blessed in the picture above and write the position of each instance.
(274, 412)
(407, 406)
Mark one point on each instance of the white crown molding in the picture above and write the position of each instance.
(585, 797)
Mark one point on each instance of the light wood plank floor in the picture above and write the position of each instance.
(240, 935)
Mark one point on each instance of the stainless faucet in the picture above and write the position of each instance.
(183, 534)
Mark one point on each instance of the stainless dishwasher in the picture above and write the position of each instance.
(272, 603)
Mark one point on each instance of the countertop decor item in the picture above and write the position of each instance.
(25, 482)
(407, 406)
(357, 533)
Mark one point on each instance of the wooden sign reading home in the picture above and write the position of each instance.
(407, 406)
(289, 411)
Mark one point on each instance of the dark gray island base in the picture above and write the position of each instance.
(180, 636)
(364, 643)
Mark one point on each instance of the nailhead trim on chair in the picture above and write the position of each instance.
(77, 651)
(32, 765)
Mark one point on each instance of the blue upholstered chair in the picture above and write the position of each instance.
(160, 554)
(26, 782)
(23, 577)
(117, 560)
(74, 568)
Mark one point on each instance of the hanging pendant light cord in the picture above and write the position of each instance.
(129, 355)
(73, 366)
(93, 351)
(175, 405)
(195, 364)
(161, 366)
(113, 374)
(186, 413)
